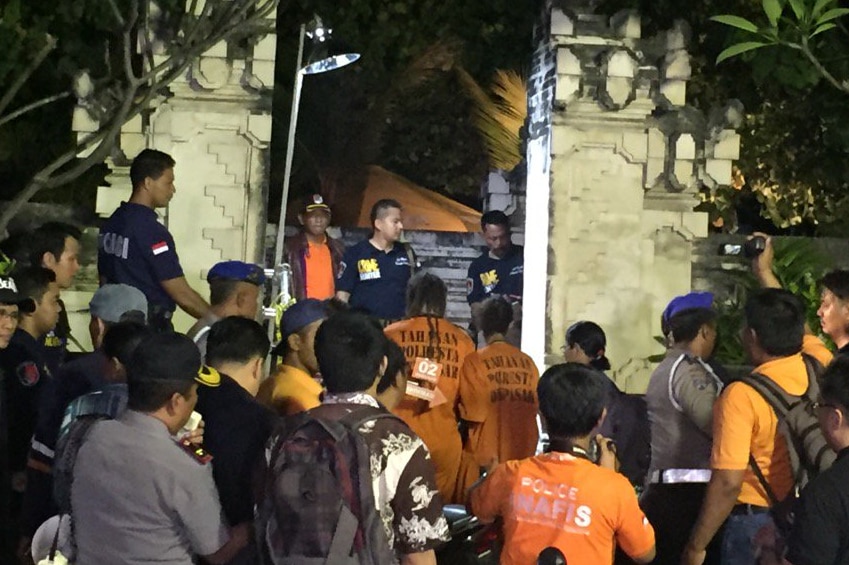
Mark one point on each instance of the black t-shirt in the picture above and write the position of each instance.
(375, 279)
(236, 428)
(488, 276)
(821, 528)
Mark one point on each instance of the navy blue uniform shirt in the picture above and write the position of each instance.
(376, 280)
(27, 377)
(488, 276)
(56, 342)
(135, 249)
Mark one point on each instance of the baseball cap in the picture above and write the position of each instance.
(314, 202)
(173, 357)
(687, 302)
(236, 271)
(301, 314)
(112, 302)
(9, 295)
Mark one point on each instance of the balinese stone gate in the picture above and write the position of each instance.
(217, 125)
(615, 164)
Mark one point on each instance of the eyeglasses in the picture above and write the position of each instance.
(13, 315)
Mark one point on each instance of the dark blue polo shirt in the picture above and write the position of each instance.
(488, 276)
(27, 378)
(135, 249)
(56, 342)
(376, 280)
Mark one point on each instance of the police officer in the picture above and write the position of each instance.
(12, 305)
(135, 249)
(138, 495)
(499, 270)
(680, 399)
(24, 364)
(374, 273)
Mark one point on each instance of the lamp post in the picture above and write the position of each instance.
(321, 59)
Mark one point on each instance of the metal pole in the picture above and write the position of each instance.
(287, 173)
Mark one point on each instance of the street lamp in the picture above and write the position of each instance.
(321, 58)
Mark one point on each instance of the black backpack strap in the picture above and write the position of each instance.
(770, 494)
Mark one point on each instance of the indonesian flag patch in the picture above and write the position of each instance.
(158, 248)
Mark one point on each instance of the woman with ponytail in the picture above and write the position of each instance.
(627, 422)
(435, 350)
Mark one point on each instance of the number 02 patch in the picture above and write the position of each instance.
(425, 369)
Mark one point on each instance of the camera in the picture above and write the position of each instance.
(751, 249)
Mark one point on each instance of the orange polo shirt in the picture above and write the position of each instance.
(558, 500)
(290, 391)
(319, 272)
(744, 423)
(498, 394)
(429, 337)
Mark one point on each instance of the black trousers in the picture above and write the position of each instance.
(672, 509)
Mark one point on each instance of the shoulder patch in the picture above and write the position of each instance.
(28, 373)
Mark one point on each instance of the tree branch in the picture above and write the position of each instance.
(30, 107)
(117, 13)
(49, 46)
(806, 50)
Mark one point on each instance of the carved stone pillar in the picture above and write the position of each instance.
(616, 163)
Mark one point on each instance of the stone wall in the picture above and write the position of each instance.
(614, 172)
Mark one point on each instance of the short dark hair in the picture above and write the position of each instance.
(381, 206)
(684, 325)
(778, 319)
(235, 340)
(426, 293)
(495, 316)
(495, 218)
(396, 363)
(834, 383)
(50, 238)
(571, 398)
(837, 282)
(349, 348)
(33, 281)
(161, 365)
(149, 163)
(221, 290)
(591, 339)
(122, 338)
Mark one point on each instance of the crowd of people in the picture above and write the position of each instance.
(171, 448)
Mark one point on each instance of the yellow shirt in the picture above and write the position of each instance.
(744, 423)
(290, 391)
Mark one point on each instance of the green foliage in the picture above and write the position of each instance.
(809, 20)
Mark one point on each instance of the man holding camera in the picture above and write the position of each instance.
(745, 427)
(563, 498)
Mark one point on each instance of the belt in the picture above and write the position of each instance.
(748, 509)
(674, 476)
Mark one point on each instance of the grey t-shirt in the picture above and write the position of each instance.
(137, 497)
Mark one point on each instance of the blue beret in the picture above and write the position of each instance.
(236, 271)
(686, 302)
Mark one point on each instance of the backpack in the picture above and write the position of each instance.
(627, 424)
(318, 505)
(806, 444)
